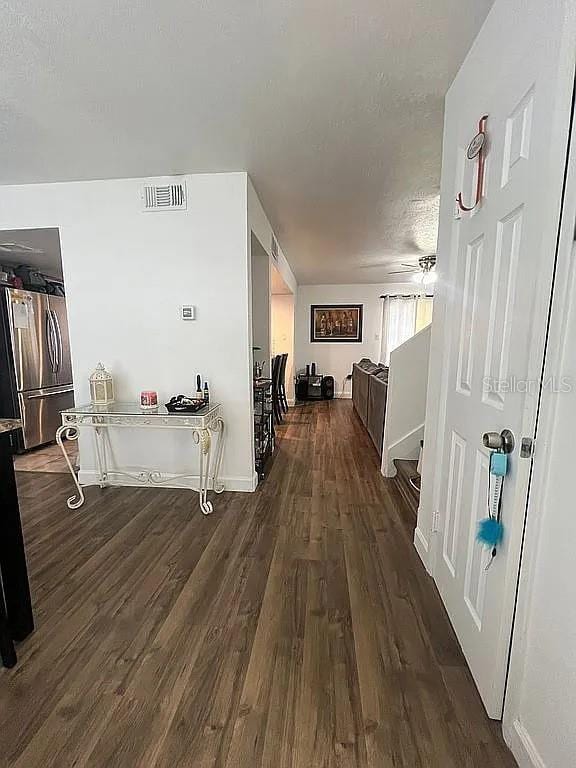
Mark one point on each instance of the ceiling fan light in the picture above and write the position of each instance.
(418, 277)
(429, 278)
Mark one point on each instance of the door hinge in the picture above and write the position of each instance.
(436, 522)
(527, 448)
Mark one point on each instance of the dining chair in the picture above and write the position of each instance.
(276, 402)
(282, 387)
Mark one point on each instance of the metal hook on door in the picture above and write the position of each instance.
(476, 148)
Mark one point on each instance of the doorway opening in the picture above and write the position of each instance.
(260, 285)
(282, 326)
(36, 374)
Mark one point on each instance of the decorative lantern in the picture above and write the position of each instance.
(101, 386)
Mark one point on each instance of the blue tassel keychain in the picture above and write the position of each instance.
(491, 530)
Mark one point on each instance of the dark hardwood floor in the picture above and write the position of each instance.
(295, 627)
(47, 458)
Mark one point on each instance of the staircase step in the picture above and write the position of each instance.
(408, 482)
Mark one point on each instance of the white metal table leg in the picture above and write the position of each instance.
(217, 485)
(70, 433)
(100, 446)
(202, 437)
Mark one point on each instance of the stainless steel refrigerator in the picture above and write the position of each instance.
(36, 374)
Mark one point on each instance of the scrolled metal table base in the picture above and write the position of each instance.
(70, 433)
(202, 436)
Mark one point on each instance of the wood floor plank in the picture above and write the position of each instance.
(47, 458)
(293, 628)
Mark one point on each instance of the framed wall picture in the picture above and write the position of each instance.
(336, 322)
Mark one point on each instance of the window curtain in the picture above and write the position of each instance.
(398, 323)
(402, 317)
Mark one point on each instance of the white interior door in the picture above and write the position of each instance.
(498, 263)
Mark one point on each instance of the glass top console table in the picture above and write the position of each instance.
(204, 425)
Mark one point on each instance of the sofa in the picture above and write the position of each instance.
(369, 393)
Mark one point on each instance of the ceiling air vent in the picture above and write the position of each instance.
(165, 197)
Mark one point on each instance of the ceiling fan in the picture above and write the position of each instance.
(424, 273)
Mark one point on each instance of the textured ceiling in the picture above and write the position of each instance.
(333, 107)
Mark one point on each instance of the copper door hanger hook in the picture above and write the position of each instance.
(476, 148)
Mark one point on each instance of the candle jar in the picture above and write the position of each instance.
(148, 400)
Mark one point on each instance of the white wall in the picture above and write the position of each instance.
(406, 400)
(336, 359)
(545, 711)
(283, 335)
(258, 224)
(127, 273)
(540, 709)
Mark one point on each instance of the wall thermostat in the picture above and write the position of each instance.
(188, 312)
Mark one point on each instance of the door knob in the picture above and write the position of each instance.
(499, 441)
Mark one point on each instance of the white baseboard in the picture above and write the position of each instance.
(344, 395)
(388, 469)
(88, 477)
(422, 546)
(522, 746)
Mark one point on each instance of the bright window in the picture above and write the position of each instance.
(423, 312)
(402, 317)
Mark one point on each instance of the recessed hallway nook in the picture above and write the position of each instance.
(296, 628)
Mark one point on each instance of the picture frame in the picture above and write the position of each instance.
(336, 323)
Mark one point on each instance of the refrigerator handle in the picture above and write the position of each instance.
(58, 340)
(50, 337)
